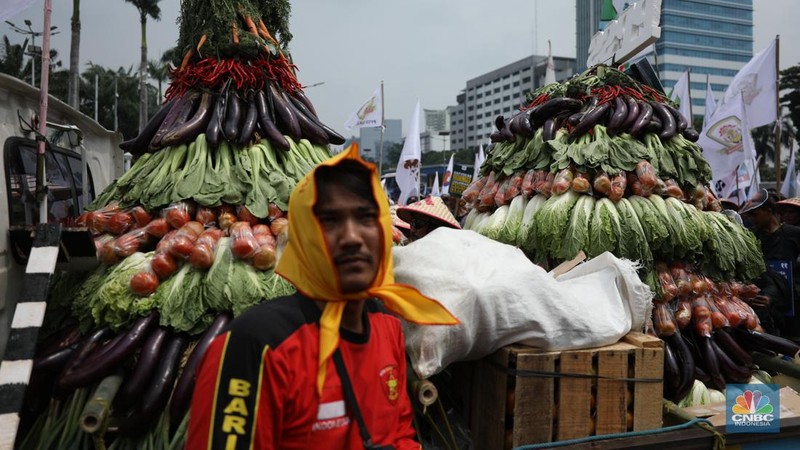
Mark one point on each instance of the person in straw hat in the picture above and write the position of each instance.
(280, 375)
(425, 216)
(789, 211)
(779, 242)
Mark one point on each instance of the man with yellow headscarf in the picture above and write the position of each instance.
(326, 367)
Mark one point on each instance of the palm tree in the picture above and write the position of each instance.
(159, 72)
(147, 8)
(13, 59)
(73, 88)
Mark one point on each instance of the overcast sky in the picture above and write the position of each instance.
(421, 49)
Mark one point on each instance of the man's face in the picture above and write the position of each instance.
(759, 217)
(420, 227)
(353, 234)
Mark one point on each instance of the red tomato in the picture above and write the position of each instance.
(273, 212)
(166, 242)
(177, 216)
(144, 283)
(226, 220)
(202, 257)
(164, 265)
(265, 258)
(261, 229)
(206, 216)
(279, 225)
(141, 216)
(244, 247)
(157, 228)
(265, 239)
(181, 247)
(246, 216)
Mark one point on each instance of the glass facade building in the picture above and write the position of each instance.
(712, 38)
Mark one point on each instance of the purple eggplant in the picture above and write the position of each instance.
(301, 97)
(731, 371)
(645, 115)
(726, 342)
(691, 134)
(214, 126)
(159, 389)
(188, 130)
(767, 341)
(681, 121)
(233, 117)
(268, 126)
(309, 130)
(249, 123)
(146, 363)
(286, 119)
(103, 362)
(178, 113)
(333, 137)
(633, 113)
(589, 120)
(182, 394)
(140, 144)
(618, 116)
(669, 126)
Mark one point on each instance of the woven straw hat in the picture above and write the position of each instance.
(432, 207)
(396, 221)
(789, 202)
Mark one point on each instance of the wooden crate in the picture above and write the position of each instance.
(518, 398)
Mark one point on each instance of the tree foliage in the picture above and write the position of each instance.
(790, 86)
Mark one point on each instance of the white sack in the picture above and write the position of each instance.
(502, 298)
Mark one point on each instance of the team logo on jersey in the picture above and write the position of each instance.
(391, 382)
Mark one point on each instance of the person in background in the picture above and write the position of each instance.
(779, 242)
(789, 211)
(326, 367)
(425, 216)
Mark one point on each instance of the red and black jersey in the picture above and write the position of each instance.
(256, 387)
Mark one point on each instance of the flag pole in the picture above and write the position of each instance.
(778, 115)
(689, 82)
(380, 159)
(736, 175)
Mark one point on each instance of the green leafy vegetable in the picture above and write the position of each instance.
(604, 229)
(576, 236)
(551, 220)
(516, 211)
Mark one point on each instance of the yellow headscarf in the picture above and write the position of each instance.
(309, 266)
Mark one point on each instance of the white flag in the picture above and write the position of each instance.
(726, 143)
(448, 175)
(367, 115)
(407, 173)
(435, 189)
(741, 184)
(711, 104)
(682, 94)
(479, 159)
(550, 72)
(789, 186)
(756, 81)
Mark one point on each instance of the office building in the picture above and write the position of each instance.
(712, 38)
(501, 91)
(435, 137)
(370, 138)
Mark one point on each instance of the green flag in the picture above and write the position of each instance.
(609, 12)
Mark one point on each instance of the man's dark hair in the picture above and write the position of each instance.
(349, 174)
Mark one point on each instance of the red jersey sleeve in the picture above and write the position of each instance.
(234, 405)
(405, 433)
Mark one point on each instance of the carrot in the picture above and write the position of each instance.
(265, 33)
(186, 58)
(203, 39)
(234, 33)
(251, 25)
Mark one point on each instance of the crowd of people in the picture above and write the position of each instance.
(776, 223)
